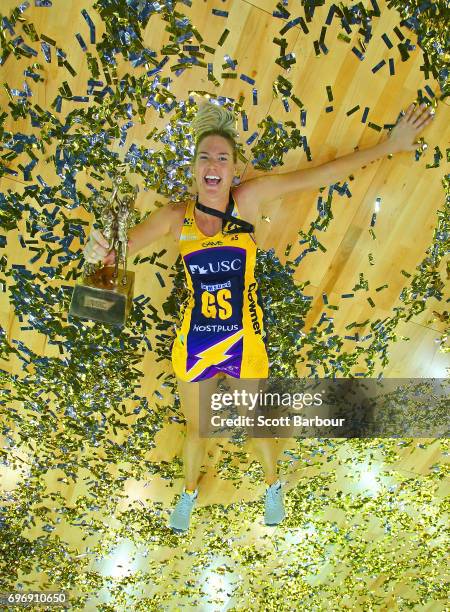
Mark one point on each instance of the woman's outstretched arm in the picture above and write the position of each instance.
(158, 224)
(267, 188)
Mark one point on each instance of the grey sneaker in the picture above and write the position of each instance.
(274, 508)
(181, 515)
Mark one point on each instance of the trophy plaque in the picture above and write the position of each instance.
(105, 293)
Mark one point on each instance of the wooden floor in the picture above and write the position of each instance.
(319, 476)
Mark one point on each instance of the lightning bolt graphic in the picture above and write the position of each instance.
(214, 354)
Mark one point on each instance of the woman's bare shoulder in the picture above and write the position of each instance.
(177, 213)
(244, 200)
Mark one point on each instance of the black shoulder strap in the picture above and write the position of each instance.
(227, 218)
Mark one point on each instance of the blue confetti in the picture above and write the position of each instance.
(386, 40)
(364, 115)
(123, 131)
(376, 8)
(43, 3)
(282, 13)
(255, 97)
(81, 41)
(29, 50)
(219, 13)
(247, 79)
(391, 66)
(358, 53)
(252, 138)
(159, 67)
(232, 63)
(378, 66)
(290, 25)
(8, 26)
(331, 12)
(46, 49)
(90, 24)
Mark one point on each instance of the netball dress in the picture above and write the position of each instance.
(222, 321)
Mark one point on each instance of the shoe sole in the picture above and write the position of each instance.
(275, 524)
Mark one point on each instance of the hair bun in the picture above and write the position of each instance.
(213, 117)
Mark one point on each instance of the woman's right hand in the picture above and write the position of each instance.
(97, 249)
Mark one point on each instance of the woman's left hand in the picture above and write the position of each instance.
(403, 135)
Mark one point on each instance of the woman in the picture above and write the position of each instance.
(222, 330)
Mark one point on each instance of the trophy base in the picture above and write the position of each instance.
(101, 297)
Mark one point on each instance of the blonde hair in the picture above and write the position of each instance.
(212, 119)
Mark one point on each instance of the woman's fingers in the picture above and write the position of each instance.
(424, 118)
(97, 247)
(98, 236)
(409, 111)
(110, 258)
(421, 113)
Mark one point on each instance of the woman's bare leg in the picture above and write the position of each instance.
(194, 446)
(267, 450)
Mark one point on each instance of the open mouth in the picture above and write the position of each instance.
(212, 179)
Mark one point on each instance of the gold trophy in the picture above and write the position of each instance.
(105, 293)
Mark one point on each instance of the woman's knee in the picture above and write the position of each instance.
(192, 430)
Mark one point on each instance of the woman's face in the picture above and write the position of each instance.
(214, 159)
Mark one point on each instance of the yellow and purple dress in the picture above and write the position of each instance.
(222, 320)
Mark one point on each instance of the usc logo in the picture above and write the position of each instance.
(214, 305)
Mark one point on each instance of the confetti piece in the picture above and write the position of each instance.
(219, 13)
(378, 66)
(358, 53)
(90, 24)
(353, 110)
(391, 66)
(229, 62)
(290, 25)
(223, 37)
(281, 13)
(398, 33)
(247, 79)
(81, 41)
(386, 40)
